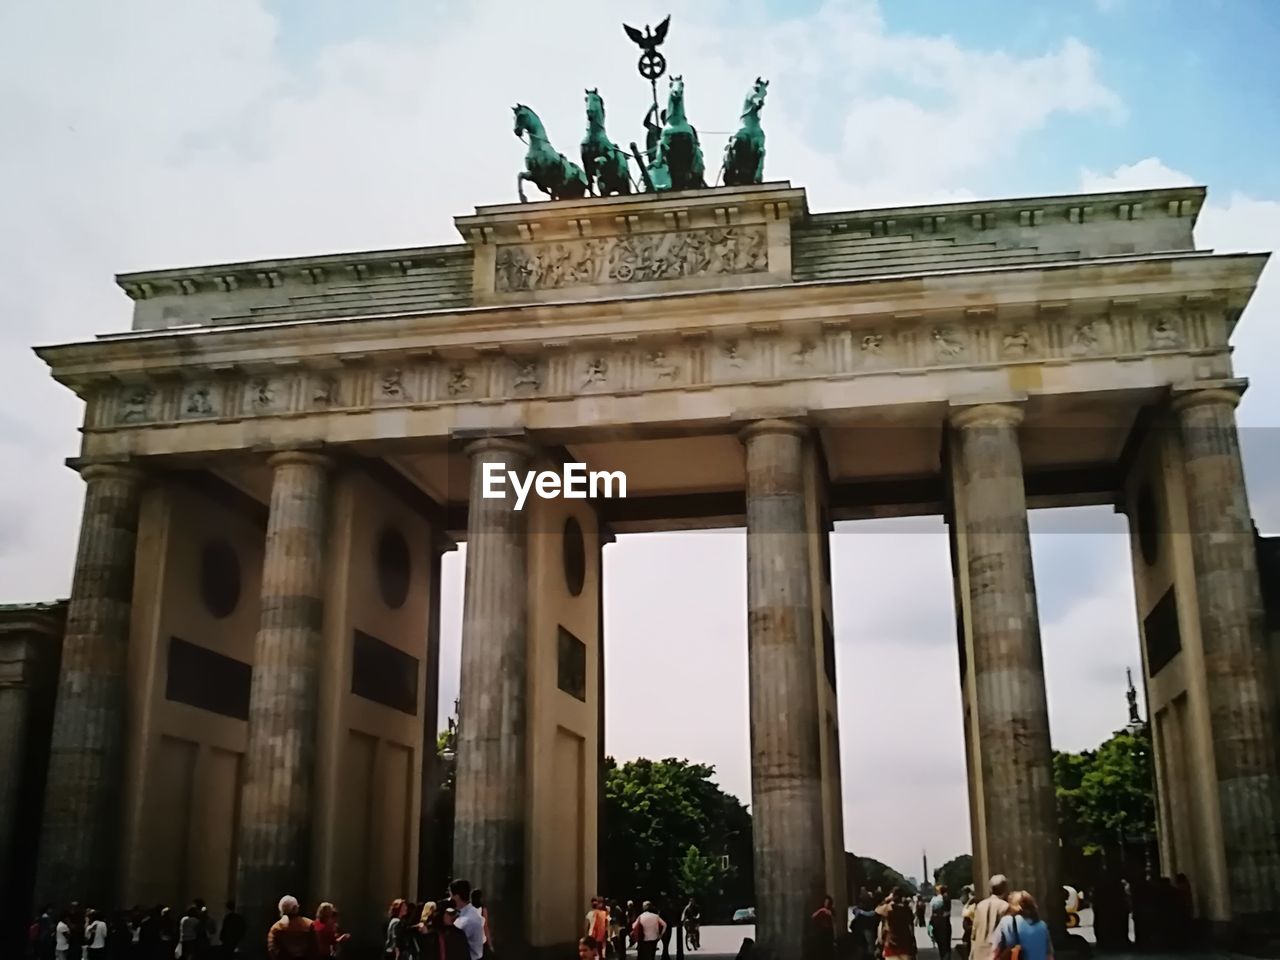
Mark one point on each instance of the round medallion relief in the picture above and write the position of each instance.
(575, 556)
(394, 567)
(219, 578)
(1148, 525)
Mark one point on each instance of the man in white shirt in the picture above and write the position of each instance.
(62, 939)
(469, 919)
(95, 936)
(647, 932)
(988, 916)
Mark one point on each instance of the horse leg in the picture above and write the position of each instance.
(521, 177)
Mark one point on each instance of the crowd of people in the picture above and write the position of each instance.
(611, 929)
(155, 933)
(883, 926)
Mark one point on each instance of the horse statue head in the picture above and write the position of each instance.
(595, 107)
(754, 101)
(675, 101)
(527, 122)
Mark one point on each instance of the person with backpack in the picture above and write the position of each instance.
(1022, 935)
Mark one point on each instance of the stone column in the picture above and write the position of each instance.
(1012, 722)
(79, 847)
(786, 760)
(492, 762)
(1233, 637)
(274, 852)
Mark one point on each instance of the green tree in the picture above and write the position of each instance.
(655, 812)
(702, 876)
(1106, 803)
(956, 873)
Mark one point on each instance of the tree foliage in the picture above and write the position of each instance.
(1106, 801)
(956, 873)
(667, 829)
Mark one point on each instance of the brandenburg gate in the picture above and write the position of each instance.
(277, 453)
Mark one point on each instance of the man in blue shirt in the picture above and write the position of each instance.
(469, 919)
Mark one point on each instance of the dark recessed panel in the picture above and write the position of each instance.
(575, 557)
(394, 568)
(1161, 633)
(200, 677)
(571, 665)
(219, 578)
(829, 651)
(383, 674)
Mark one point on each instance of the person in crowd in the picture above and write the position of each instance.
(478, 901)
(647, 931)
(987, 916)
(632, 914)
(588, 948)
(668, 915)
(442, 939)
(690, 919)
(391, 935)
(95, 936)
(863, 926)
(469, 920)
(189, 927)
(617, 930)
(1022, 927)
(40, 935)
(291, 937)
(897, 936)
(62, 937)
(329, 936)
(918, 905)
(822, 931)
(940, 921)
(598, 925)
(966, 927)
(233, 930)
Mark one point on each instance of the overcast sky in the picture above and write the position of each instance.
(140, 134)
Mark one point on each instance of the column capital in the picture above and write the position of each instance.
(986, 415)
(512, 446)
(312, 458)
(90, 469)
(1209, 392)
(788, 427)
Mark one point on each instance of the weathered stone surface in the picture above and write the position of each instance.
(1008, 667)
(786, 760)
(1233, 636)
(277, 798)
(631, 259)
(492, 766)
(78, 849)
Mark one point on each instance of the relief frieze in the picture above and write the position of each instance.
(633, 258)
(672, 362)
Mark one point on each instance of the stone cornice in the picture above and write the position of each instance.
(1148, 202)
(1189, 281)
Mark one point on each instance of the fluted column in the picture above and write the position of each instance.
(79, 846)
(1012, 720)
(1233, 636)
(274, 850)
(786, 760)
(492, 759)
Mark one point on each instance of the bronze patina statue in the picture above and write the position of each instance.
(550, 171)
(744, 155)
(672, 159)
(603, 160)
(677, 163)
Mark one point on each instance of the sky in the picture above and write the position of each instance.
(143, 134)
